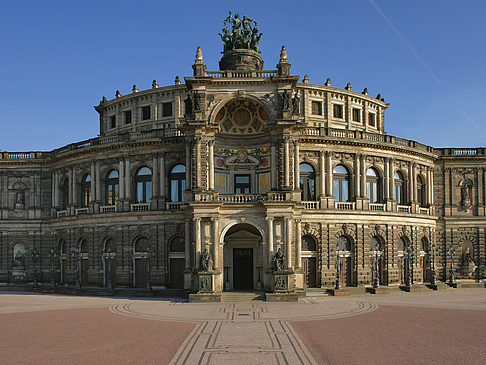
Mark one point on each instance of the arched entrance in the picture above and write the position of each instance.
(242, 258)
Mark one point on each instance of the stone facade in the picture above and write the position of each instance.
(240, 163)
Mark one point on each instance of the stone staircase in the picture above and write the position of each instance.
(236, 297)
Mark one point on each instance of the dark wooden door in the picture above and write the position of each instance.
(242, 268)
(346, 271)
(309, 268)
(176, 275)
(140, 273)
(84, 272)
(427, 270)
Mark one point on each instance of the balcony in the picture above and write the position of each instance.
(140, 207)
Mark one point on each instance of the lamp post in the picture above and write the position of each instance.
(76, 259)
(108, 257)
(433, 279)
(53, 275)
(452, 280)
(376, 281)
(149, 284)
(408, 278)
(338, 269)
(35, 257)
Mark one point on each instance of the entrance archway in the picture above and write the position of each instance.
(243, 258)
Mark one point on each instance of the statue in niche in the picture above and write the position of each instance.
(188, 105)
(467, 259)
(279, 260)
(466, 189)
(19, 260)
(296, 104)
(206, 261)
(197, 101)
(19, 199)
(285, 101)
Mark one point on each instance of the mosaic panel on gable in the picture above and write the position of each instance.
(242, 116)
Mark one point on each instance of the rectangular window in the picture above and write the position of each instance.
(371, 119)
(113, 121)
(356, 115)
(166, 109)
(338, 111)
(145, 112)
(128, 116)
(242, 184)
(316, 108)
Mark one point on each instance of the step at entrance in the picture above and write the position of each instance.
(235, 297)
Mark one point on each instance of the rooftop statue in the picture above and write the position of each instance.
(242, 34)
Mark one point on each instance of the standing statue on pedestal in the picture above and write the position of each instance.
(206, 261)
(188, 105)
(242, 35)
(279, 261)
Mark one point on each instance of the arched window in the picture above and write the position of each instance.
(402, 244)
(143, 183)
(399, 188)
(86, 190)
(307, 182)
(177, 244)
(83, 246)
(111, 188)
(375, 244)
(62, 247)
(421, 191)
(341, 184)
(308, 243)
(343, 244)
(373, 185)
(177, 180)
(65, 193)
(141, 245)
(109, 245)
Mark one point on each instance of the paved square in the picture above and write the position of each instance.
(421, 328)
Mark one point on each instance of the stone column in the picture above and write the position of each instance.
(386, 181)
(288, 242)
(357, 190)
(296, 166)
(273, 167)
(188, 166)
(198, 241)
(322, 170)
(128, 188)
(287, 163)
(429, 186)
(410, 184)
(162, 191)
(56, 189)
(270, 240)
(362, 164)
(155, 176)
(414, 178)
(198, 163)
(298, 251)
(391, 177)
(121, 180)
(97, 182)
(211, 165)
(93, 196)
(187, 243)
(74, 190)
(329, 174)
(215, 244)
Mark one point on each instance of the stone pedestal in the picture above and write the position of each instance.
(205, 282)
(283, 281)
(241, 60)
(18, 274)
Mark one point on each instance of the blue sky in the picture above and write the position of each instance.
(427, 58)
